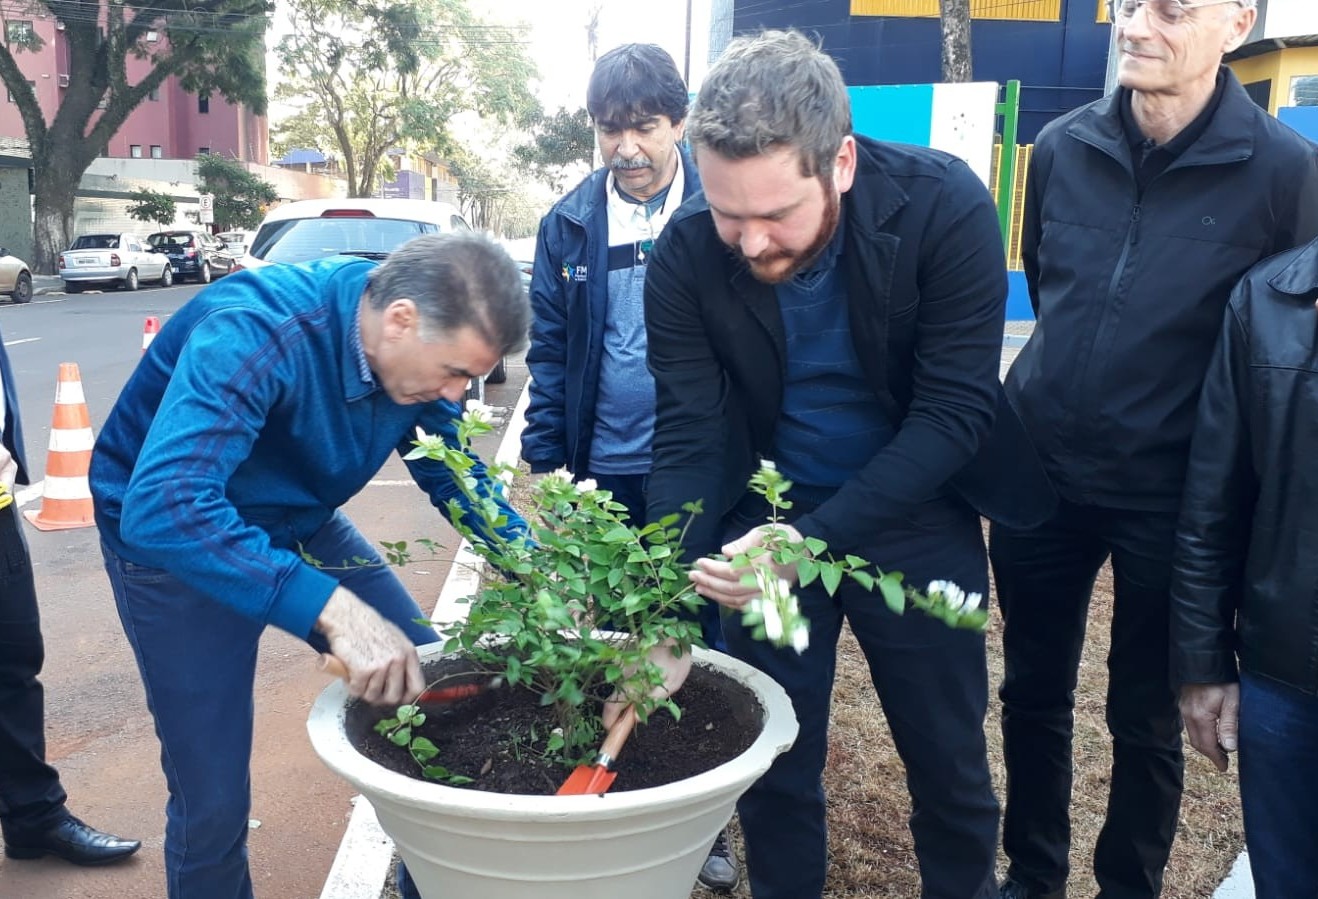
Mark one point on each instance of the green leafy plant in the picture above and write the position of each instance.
(578, 608)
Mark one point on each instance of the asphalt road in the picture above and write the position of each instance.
(99, 733)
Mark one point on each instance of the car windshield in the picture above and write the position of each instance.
(301, 240)
(168, 240)
(96, 242)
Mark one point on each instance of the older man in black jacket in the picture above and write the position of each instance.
(1142, 210)
(835, 304)
(1246, 572)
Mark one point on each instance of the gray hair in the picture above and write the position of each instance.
(458, 280)
(770, 90)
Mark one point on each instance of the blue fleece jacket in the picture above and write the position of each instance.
(251, 418)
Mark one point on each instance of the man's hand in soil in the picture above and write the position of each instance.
(718, 580)
(1212, 719)
(382, 663)
(675, 669)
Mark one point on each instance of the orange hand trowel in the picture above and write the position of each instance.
(332, 666)
(599, 776)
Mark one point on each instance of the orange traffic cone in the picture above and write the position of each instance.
(66, 497)
(149, 331)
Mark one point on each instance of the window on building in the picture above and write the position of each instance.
(203, 151)
(135, 151)
(1304, 91)
(204, 105)
(18, 32)
(153, 94)
(156, 151)
(31, 84)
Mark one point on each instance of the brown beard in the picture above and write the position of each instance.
(802, 260)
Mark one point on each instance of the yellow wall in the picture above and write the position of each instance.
(1259, 68)
(1294, 61)
(1015, 10)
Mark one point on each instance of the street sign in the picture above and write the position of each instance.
(206, 208)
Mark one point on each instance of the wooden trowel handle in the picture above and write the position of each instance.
(331, 665)
(618, 734)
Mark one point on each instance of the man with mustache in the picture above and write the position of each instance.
(591, 406)
(835, 304)
(1142, 210)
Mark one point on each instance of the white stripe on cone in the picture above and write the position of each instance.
(67, 488)
(71, 440)
(69, 393)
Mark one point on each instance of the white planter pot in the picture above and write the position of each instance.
(638, 844)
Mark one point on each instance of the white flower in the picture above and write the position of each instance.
(478, 411)
(768, 465)
(972, 602)
(588, 485)
(936, 587)
(773, 623)
(955, 596)
(800, 638)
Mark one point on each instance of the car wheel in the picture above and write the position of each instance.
(71, 287)
(500, 372)
(22, 288)
(475, 391)
(204, 273)
(130, 282)
(167, 277)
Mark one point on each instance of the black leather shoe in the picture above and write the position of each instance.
(71, 840)
(720, 872)
(1010, 889)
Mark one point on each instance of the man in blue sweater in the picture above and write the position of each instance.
(262, 407)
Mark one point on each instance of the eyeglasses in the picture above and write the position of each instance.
(1171, 12)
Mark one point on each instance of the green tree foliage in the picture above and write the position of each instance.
(240, 196)
(559, 143)
(152, 207)
(212, 46)
(369, 77)
(491, 200)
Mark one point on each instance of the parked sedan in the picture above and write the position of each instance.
(193, 254)
(15, 277)
(236, 242)
(112, 259)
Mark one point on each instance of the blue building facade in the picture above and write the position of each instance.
(1057, 49)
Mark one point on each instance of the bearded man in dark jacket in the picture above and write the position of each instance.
(835, 304)
(1143, 209)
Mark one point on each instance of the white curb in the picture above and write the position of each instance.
(1239, 884)
(361, 865)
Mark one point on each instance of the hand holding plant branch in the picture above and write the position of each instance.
(593, 613)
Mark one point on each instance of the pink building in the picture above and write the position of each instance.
(170, 124)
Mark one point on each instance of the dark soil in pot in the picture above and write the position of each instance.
(489, 737)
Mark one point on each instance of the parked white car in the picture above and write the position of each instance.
(15, 277)
(122, 260)
(313, 229)
(236, 242)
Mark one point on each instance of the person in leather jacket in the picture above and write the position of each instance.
(1244, 620)
(1143, 210)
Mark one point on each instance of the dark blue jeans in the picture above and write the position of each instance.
(1279, 787)
(933, 685)
(1044, 579)
(197, 659)
(31, 797)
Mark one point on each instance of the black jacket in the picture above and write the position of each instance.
(923, 265)
(1129, 290)
(1246, 571)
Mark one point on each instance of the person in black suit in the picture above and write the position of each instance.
(33, 817)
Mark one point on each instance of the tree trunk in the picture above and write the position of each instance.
(56, 184)
(955, 18)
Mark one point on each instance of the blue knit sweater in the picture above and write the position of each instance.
(251, 418)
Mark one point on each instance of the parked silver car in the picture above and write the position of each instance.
(15, 277)
(122, 260)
